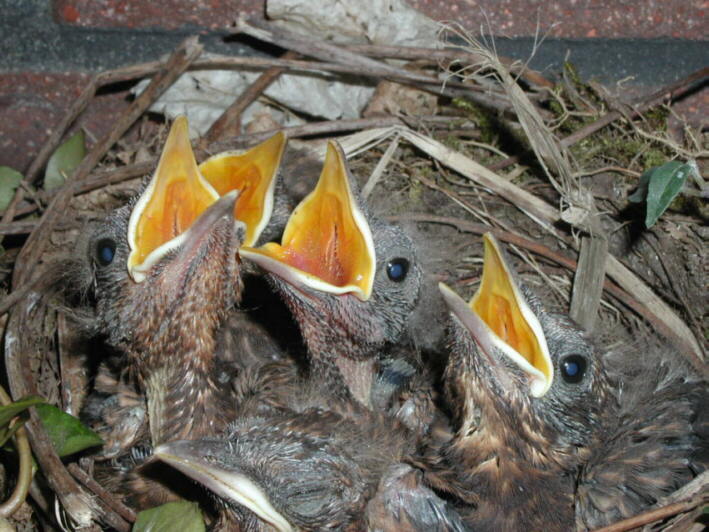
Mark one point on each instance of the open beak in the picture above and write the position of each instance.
(500, 320)
(190, 458)
(175, 197)
(252, 172)
(327, 244)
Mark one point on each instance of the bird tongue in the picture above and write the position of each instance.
(191, 458)
(253, 172)
(327, 244)
(500, 320)
(175, 197)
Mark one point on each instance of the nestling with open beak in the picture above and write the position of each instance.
(166, 274)
(177, 193)
(349, 279)
(551, 432)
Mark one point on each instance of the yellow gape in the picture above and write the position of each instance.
(327, 242)
(175, 197)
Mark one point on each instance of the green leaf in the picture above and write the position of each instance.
(63, 161)
(659, 186)
(13, 409)
(183, 515)
(66, 432)
(18, 408)
(9, 180)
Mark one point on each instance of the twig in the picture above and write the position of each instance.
(117, 506)
(19, 294)
(260, 29)
(413, 53)
(672, 91)
(379, 169)
(185, 53)
(311, 129)
(18, 228)
(230, 121)
(24, 475)
(651, 516)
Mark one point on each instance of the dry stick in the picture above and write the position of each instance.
(19, 372)
(37, 282)
(178, 62)
(672, 91)
(311, 129)
(651, 516)
(113, 517)
(18, 228)
(379, 70)
(260, 29)
(414, 53)
(117, 506)
(230, 121)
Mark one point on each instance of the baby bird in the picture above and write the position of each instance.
(318, 466)
(551, 432)
(166, 274)
(349, 279)
(148, 231)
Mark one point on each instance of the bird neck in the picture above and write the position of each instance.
(176, 366)
(183, 403)
(344, 365)
(504, 458)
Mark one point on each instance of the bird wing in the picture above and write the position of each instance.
(648, 451)
(404, 503)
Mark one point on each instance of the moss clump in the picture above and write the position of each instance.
(486, 122)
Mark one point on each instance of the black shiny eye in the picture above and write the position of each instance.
(573, 368)
(397, 269)
(105, 251)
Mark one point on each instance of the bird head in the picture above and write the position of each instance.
(519, 377)
(299, 471)
(343, 273)
(165, 265)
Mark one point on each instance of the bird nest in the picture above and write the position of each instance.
(546, 167)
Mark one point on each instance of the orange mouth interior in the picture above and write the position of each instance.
(498, 305)
(173, 200)
(253, 173)
(327, 236)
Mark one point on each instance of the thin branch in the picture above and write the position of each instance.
(230, 121)
(651, 516)
(313, 128)
(446, 54)
(117, 506)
